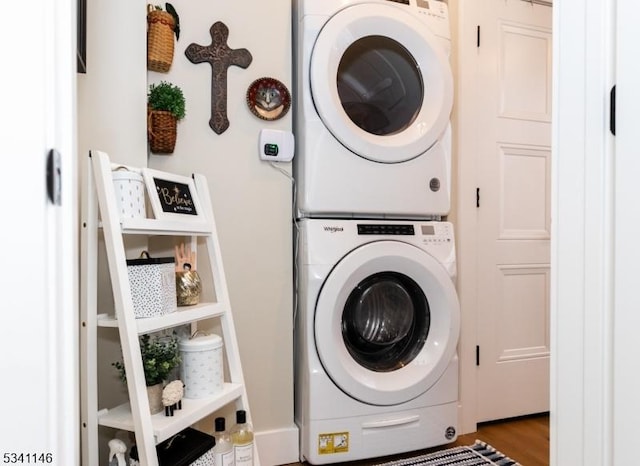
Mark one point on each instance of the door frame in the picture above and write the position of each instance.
(582, 254)
(625, 384)
(464, 215)
(43, 116)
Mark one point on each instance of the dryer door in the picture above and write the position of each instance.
(386, 322)
(381, 82)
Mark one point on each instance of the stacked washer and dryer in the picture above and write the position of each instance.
(377, 317)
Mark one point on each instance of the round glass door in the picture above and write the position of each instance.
(386, 322)
(386, 97)
(380, 85)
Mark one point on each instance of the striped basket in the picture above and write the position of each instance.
(160, 40)
(162, 130)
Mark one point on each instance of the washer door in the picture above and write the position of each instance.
(381, 82)
(386, 322)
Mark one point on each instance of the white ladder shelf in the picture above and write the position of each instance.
(99, 197)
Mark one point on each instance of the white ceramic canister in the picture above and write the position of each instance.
(201, 369)
(129, 188)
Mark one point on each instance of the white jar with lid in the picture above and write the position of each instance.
(129, 189)
(201, 369)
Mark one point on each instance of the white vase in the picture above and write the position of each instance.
(154, 393)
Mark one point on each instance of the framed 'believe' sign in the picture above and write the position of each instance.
(172, 196)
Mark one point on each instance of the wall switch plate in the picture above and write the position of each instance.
(276, 145)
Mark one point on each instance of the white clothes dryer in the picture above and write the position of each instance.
(373, 97)
(376, 330)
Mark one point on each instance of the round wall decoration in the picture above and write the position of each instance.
(268, 98)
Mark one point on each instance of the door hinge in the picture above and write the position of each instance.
(477, 197)
(54, 184)
(477, 355)
(478, 36)
(612, 111)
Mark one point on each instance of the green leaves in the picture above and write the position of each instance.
(160, 355)
(167, 96)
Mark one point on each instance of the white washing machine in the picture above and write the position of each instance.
(376, 369)
(373, 97)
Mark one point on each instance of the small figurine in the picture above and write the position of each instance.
(172, 397)
(188, 284)
(117, 449)
(184, 257)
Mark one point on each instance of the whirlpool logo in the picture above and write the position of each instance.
(333, 229)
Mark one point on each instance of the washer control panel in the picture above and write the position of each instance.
(436, 233)
(433, 8)
(386, 229)
(436, 11)
(432, 233)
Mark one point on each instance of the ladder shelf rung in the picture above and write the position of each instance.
(164, 427)
(152, 226)
(182, 316)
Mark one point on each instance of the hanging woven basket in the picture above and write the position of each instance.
(162, 131)
(160, 33)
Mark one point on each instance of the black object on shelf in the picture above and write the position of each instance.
(182, 449)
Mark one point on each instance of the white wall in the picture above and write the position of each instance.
(251, 199)
(111, 95)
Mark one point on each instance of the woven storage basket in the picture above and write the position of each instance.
(160, 40)
(162, 131)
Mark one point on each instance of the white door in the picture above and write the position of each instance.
(513, 163)
(39, 252)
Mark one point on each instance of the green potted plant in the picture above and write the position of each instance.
(160, 356)
(166, 106)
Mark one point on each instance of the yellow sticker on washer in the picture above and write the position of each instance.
(333, 443)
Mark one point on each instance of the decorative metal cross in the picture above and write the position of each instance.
(220, 57)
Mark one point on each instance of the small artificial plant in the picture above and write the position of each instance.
(166, 96)
(160, 355)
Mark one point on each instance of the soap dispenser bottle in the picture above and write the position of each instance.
(223, 450)
(242, 439)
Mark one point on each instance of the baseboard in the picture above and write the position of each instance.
(277, 447)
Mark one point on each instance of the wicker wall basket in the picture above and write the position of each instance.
(161, 131)
(160, 40)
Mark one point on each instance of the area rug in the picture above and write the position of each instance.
(478, 454)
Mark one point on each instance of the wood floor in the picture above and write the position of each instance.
(525, 440)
